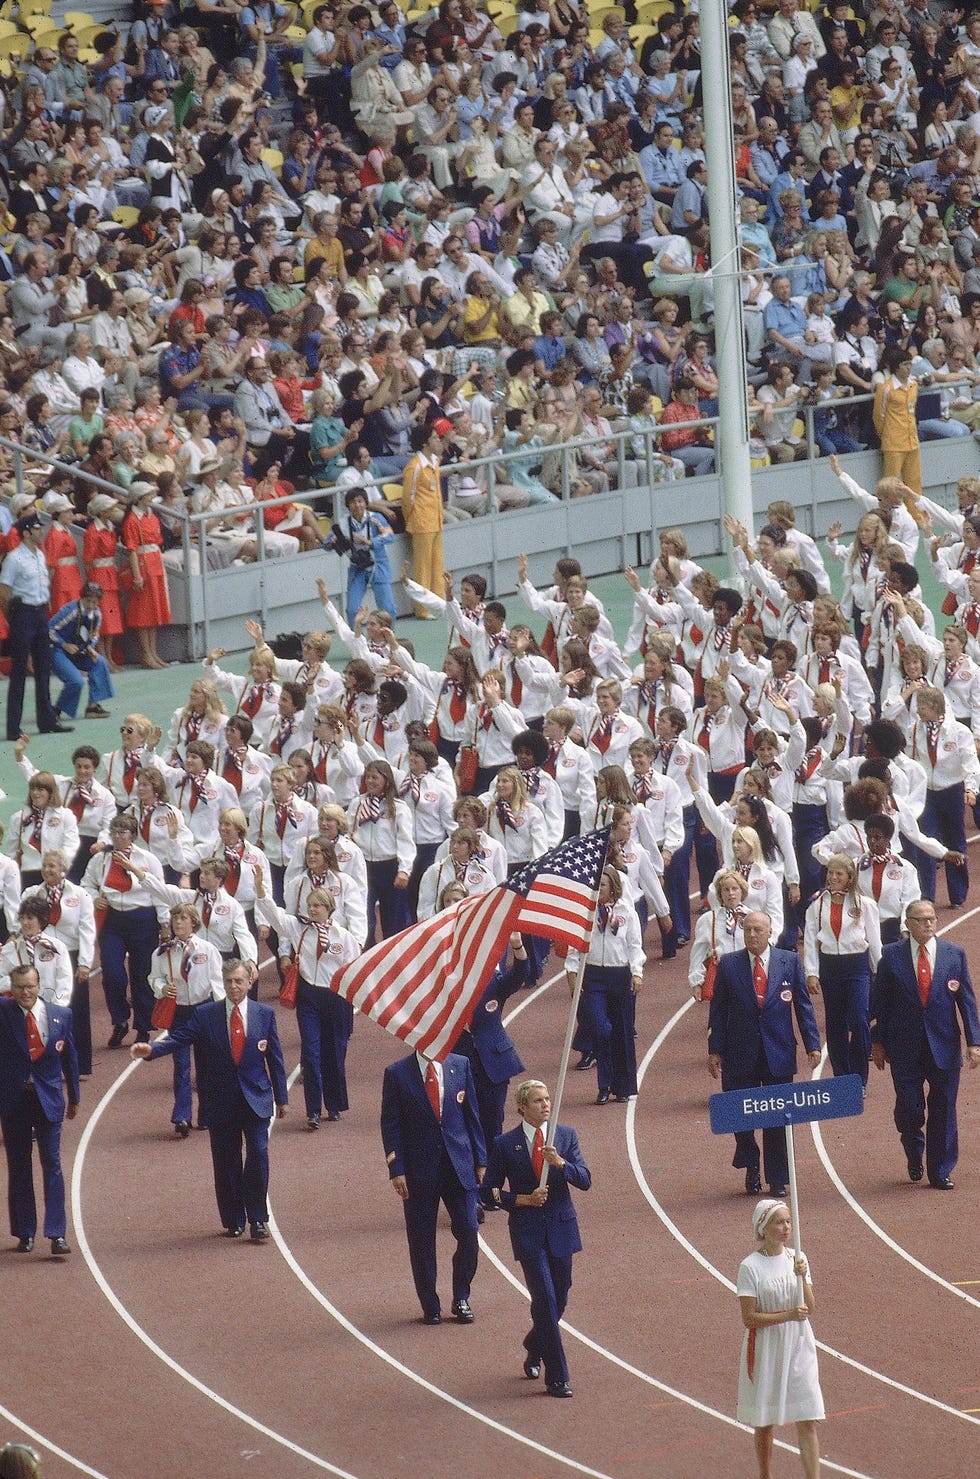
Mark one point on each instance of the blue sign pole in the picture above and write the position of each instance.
(787, 1105)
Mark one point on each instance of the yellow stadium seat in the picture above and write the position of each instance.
(274, 159)
(506, 24)
(296, 33)
(47, 37)
(85, 35)
(76, 18)
(8, 28)
(392, 492)
(126, 215)
(17, 44)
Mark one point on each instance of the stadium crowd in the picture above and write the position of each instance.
(253, 248)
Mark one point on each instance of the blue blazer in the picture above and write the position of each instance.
(488, 1040)
(260, 1076)
(898, 1020)
(554, 1226)
(414, 1139)
(58, 1060)
(737, 1026)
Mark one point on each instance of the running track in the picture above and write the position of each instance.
(160, 1348)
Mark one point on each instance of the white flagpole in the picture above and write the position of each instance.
(566, 1052)
(794, 1206)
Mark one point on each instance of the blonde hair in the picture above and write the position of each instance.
(727, 875)
(749, 836)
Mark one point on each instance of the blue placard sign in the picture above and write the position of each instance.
(786, 1104)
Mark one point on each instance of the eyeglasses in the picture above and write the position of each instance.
(128, 729)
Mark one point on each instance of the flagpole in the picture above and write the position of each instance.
(566, 1053)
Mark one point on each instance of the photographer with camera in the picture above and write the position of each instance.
(363, 540)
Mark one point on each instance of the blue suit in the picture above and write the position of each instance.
(923, 1045)
(543, 1238)
(490, 1049)
(439, 1160)
(758, 1045)
(32, 1107)
(236, 1102)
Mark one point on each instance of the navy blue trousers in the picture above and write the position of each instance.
(548, 1280)
(845, 981)
(608, 1011)
(132, 936)
(25, 1123)
(937, 1113)
(677, 879)
(241, 1184)
(392, 901)
(746, 1155)
(421, 1214)
(942, 817)
(325, 1021)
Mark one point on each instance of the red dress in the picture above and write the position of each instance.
(149, 607)
(99, 554)
(64, 571)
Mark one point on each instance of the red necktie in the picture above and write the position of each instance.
(379, 734)
(432, 1089)
(932, 740)
(132, 765)
(320, 768)
(37, 822)
(146, 820)
(824, 676)
(237, 1034)
(704, 737)
(207, 904)
(252, 701)
(54, 904)
(282, 817)
(537, 1153)
(35, 1042)
(836, 916)
(232, 770)
(234, 860)
(759, 979)
(516, 686)
(924, 975)
(457, 704)
(117, 878)
(877, 872)
(551, 764)
(972, 619)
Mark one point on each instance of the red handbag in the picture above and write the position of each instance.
(466, 768)
(164, 1011)
(290, 986)
(708, 984)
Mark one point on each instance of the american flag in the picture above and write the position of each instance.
(423, 984)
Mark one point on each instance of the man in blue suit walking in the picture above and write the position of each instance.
(921, 985)
(543, 1227)
(751, 1040)
(242, 1080)
(434, 1146)
(37, 1050)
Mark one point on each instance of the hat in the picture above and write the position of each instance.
(29, 521)
(20, 503)
(763, 1212)
(101, 504)
(208, 465)
(155, 115)
(132, 296)
(442, 426)
(216, 193)
(138, 490)
(56, 503)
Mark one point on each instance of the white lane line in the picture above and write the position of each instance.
(709, 1267)
(135, 1327)
(401, 1368)
(856, 1206)
(601, 1350)
(45, 1443)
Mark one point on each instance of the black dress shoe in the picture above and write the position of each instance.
(234, 1232)
(26, 1245)
(59, 1247)
(532, 1368)
(481, 1215)
(777, 1191)
(333, 1115)
(182, 1128)
(142, 1036)
(915, 1169)
(944, 1183)
(603, 1096)
(753, 1182)
(587, 1060)
(118, 1036)
(59, 729)
(259, 1233)
(462, 1313)
(313, 1122)
(559, 1389)
(433, 1318)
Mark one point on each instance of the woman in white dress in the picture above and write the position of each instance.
(778, 1380)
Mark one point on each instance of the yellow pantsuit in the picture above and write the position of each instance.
(894, 420)
(422, 509)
